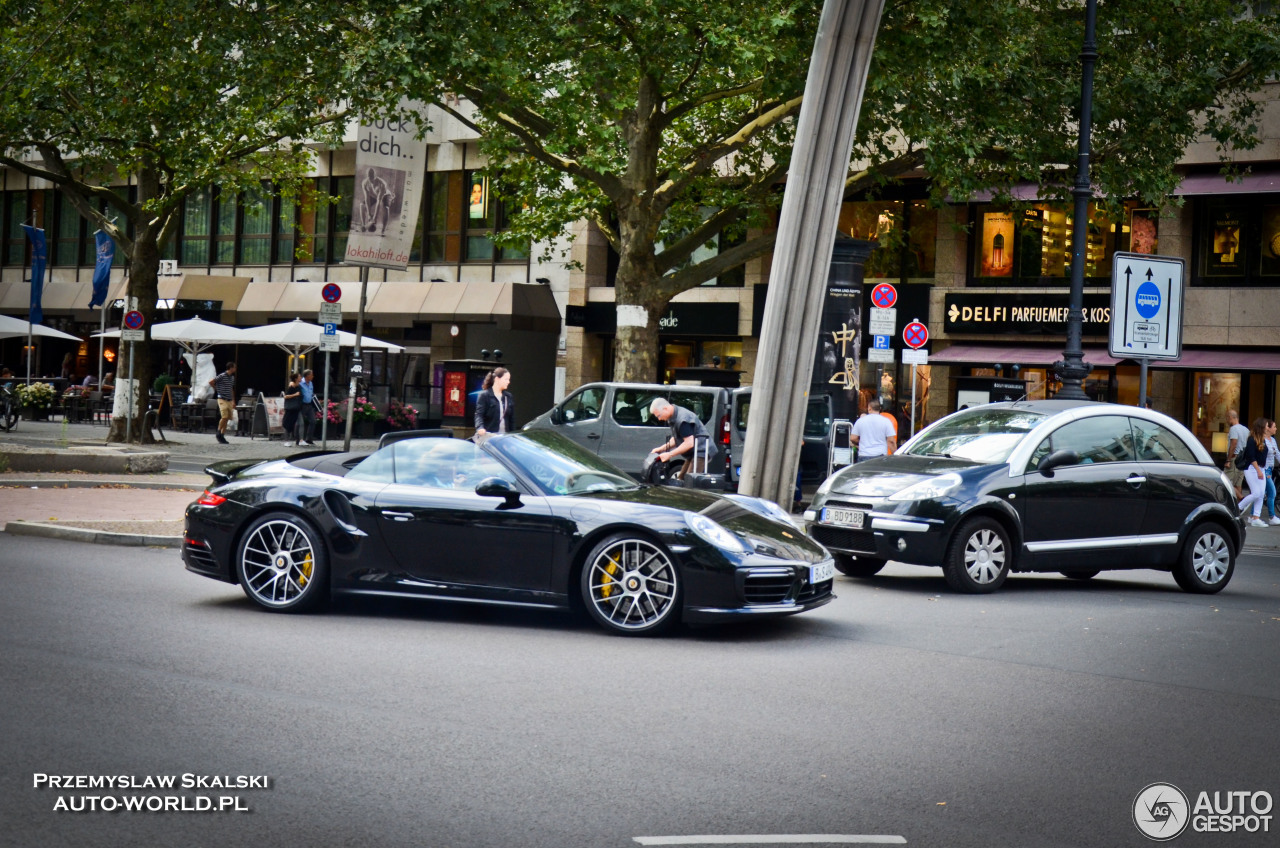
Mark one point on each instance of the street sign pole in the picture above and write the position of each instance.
(1142, 380)
(913, 399)
(324, 410)
(357, 366)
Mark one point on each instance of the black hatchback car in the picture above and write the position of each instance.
(1066, 486)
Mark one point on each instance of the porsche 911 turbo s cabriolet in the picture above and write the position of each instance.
(527, 519)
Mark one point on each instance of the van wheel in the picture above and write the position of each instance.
(858, 566)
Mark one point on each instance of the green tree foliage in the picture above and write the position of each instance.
(667, 122)
(170, 99)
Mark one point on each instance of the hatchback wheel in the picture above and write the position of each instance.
(631, 585)
(1207, 561)
(1088, 574)
(979, 558)
(282, 563)
(858, 566)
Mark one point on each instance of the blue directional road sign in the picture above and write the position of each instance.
(1146, 306)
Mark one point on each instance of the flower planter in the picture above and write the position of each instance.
(364, 429)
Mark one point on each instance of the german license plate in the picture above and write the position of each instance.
(822, 571)
(846, 517)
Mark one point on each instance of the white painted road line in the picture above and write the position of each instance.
(775, 839)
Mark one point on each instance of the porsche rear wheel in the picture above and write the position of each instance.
(282, 563)
(631, 586)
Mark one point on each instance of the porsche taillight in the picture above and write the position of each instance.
(210, 499)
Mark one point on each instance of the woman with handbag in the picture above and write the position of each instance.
(1252, 461)
(292, 407)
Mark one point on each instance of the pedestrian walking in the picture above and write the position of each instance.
(292, 407)
(224, 389)
(873, 434)
(1254, 458)
(1273, 462)
(495, 407)
(307, 413)
(1237, 435)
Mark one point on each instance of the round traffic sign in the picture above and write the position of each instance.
(332, 293)
(884, 296)
(1147, 300)
(134, 320)
(915, 334)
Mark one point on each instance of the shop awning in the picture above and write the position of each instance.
(258, 303)
(1007, 355)
(398, 303)
(1223, 360)
(1257, 182)
(528, 307)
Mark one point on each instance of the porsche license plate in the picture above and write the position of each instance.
(846, 517)
(822, 571)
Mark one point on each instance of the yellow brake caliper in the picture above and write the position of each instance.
(606, 588)
(305, 577)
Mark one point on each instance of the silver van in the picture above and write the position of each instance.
(613, 421)
(817, 436)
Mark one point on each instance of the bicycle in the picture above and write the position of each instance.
(8, 409)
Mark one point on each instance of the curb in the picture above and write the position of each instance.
(95, 537)
(96, 484)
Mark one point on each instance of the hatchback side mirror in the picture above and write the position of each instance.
(496, 487)
(1057, 459)
(557, 415)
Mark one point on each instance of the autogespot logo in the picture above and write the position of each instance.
(1161, 812)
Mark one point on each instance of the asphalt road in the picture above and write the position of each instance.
(1032, 717)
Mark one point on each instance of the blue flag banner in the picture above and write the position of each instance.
(102, 270)
(39, 256)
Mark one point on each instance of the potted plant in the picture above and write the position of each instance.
(402, 416)
(364, 415)
(35, 399)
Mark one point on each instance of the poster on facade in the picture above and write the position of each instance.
(1225, 258)
(479, 198)
(390, 169)
(997, 245)
(1270, 241)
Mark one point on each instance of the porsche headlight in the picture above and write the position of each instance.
(933, 487)
(713, 533)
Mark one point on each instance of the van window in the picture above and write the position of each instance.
(817, 416)
(631, 406)
(583, 406)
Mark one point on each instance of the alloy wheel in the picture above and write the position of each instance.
(631, 585)
(277, 562)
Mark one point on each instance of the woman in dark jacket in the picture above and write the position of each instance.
(292, 406)
(495, 407)
(1255, 457)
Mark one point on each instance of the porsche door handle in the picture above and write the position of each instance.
(1136, 480)
(397, 516)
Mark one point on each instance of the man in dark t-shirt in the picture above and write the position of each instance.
(224, 389)
(687, 432)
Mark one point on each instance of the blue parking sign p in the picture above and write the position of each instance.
(880, 342)
(331, 329)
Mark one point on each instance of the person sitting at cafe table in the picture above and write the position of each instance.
(109, 381)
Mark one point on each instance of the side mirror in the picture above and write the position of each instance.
(1057, 459)
(496, 487)
(557, 415)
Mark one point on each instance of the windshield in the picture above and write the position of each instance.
(981, 435)
(560, 466)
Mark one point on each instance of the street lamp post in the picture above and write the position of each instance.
(1072, 370)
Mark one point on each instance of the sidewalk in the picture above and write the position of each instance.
(147, 509)
(122, 509)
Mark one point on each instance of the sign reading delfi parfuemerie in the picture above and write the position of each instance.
(1146, 306)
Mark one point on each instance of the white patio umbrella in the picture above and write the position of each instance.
(299, 337)
(194, 335)
(11, 328)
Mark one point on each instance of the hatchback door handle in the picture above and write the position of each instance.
(593, 435)
(397, 516)
(1136, 480)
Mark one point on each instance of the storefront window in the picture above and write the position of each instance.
(1032, 246)
(1238, 241)
(15, 215)
(914, 255)
(255, 237)
(1214, 393)
(196, 224)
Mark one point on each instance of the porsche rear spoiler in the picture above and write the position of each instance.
(226, 471)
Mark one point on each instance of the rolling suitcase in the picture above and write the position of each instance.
(699, 476)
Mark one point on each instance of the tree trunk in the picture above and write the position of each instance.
(144, 266)
(635, 351)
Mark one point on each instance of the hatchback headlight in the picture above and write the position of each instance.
(933, 487)
(714, 533)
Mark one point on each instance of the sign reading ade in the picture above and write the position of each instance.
(1021, 313)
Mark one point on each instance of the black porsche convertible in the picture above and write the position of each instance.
(528, 519)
